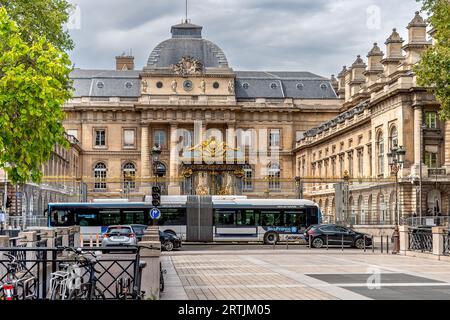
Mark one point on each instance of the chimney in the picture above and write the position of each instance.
(341, 79)
(417, 39)
(357, 79)
(394, 54)
(334, 83)
(375, 68)
(124, 62)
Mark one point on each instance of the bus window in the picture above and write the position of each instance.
(295, 218)
(87, 219)
(271, 218)
(245, 218)
(313, 216)
(172, 217)
(110, 217)
(134, 217)
(224, 217)
(62, 218)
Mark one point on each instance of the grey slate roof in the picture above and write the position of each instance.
(105, 83)
(270, 85)
(283, 84)
(186, 41)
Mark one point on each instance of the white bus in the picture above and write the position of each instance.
(195, 218)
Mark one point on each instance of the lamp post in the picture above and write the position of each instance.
(346, 196)
(396, 158)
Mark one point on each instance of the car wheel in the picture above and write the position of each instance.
(359, 243)
(168, 245)
(317, 243)
(271, 238)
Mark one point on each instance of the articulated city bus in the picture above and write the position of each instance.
(194, 218)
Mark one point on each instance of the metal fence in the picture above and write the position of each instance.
(421, 240)
(39, 263)
(446, 244)
(58, 241)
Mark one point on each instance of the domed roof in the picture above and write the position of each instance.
(186, 41)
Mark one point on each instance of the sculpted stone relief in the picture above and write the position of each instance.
(188, 66)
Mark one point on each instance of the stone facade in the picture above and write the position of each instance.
(383, 107)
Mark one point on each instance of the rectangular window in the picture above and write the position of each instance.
(134, 216)
(275, 138)
(431, 119)
(172, 217)
(341, 166)
(431, 159)
(350, 164)
(247, 182)
(110, 217)
(224, 217)
(100, 137)
(245, 218)
(160, 138)
(360, 163)
(271, 218)
(129, 138)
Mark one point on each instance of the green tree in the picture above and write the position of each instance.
(37, 18)
(433, 71)
(34, 84)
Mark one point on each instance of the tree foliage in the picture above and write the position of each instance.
(433, 71)
(37, 18)
(34, 84)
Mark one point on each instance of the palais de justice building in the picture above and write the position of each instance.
(189, 95)
(260, 134)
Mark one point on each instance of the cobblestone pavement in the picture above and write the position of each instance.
(302, 275)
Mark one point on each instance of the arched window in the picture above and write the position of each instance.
(381, 208)
(393, 141)
(129, 177)
(274, 177)
(100, 176)
(380, 153)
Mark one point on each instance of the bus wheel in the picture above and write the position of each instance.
(317, 243)
(271, 238)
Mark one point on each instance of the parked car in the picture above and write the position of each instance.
(335, 235)
(169, 241)
(117, 236)
(139, 230)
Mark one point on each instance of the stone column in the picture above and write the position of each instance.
(145, 153)
(447, 146)
(403, 230)
(417, 138)
(174, 185)
(150, 254)
(438, 240)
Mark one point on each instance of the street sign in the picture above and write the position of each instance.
(155, 213)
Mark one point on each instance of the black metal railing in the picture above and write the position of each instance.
(446, 244)
(71, 239)
(39, 263)
(421, 240)
(58, 241)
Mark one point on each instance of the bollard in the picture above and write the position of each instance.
(274, 245)
(381, 244)
(364, 243)
(287, 243)
(342, 243)
(373, 244)
(327, 242)
(97, 238)
(387, 244)
(309, 241)
(81, 240)
(91, 243)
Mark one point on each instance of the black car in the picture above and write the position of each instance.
(336, 235)
(169, 241)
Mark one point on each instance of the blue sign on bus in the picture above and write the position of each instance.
(155, 213)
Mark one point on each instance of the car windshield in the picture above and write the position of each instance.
(119, 231)
(139, 229)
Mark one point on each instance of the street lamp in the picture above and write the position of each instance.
(346, 177)
(396, 158)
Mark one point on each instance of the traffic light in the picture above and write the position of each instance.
(8, 202)
(156, 196)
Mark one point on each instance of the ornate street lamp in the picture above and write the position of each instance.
(396, 158)
(346, 178)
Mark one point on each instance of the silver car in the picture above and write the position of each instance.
(118, 236)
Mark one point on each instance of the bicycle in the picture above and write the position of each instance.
(15, 288)
(124, 289)
(67, 284)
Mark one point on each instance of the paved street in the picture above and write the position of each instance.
(301, 275)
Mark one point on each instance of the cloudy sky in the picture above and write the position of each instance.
(319, 36)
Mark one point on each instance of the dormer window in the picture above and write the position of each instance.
(245, 85)
(100, 85)
(273, 85)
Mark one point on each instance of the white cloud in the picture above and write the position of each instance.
(318, 36)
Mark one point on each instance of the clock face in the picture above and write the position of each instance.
(187, 85)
